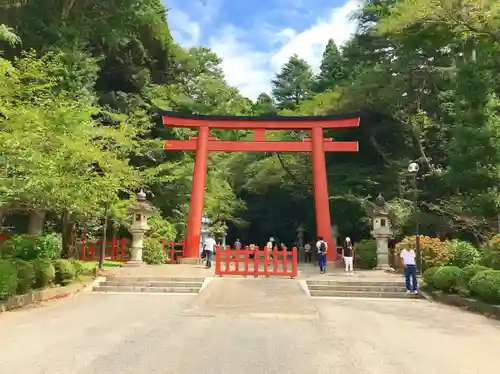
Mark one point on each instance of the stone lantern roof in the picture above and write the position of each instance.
(141, 205)
(380, 208)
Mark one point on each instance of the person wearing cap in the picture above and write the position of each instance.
(348, 255)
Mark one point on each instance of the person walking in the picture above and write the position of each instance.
(348, 255)
(210, 245)
(270, 247)
(237, 244)
(408, 258)
(322, 251)
(308, 254)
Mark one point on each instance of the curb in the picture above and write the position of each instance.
(38, 296)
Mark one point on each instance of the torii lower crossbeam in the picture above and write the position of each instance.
(204, 143)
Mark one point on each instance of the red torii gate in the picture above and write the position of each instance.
(205, 143)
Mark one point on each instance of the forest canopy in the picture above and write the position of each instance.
(81, 84)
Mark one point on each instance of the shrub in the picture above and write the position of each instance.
(79, 268)
(464, 253)
(492, 253)
(8, 279)
(446, 278)
(468, 272)
(434, 251)
(65, 272)
(44, 272)
(485, 285)
(25, 276)
(429, 276)
(366, 254)
(153, 252)
(29, 248)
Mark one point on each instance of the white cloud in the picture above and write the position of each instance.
(252, 70)
(310, 44)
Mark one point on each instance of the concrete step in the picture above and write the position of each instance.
(154, 279)
(193, 290)
(354, 283)
(122, 283)
(329, 287)
(357, 294)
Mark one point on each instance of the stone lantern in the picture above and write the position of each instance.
(140, 211)
(382, 232)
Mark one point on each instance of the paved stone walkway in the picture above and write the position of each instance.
(131, 334)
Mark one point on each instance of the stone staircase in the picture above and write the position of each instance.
(166, 285)
(362, 289)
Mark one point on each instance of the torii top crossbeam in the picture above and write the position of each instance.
(259, 125)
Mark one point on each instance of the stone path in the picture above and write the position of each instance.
(212, 333)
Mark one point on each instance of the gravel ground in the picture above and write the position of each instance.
(142, 334)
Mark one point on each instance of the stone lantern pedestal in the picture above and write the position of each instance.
(140, 212)
(382, 233)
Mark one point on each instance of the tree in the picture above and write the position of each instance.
(293, 83)
(332, 69)
(264, 105)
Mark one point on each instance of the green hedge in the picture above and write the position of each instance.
(446, 278)
(485, 285)
(366, 254)
(8, 279)
(25, 276)
(65, 272)
(429, 276)
(153, 252)
(464, 253)
(44, 273)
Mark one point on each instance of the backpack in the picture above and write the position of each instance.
(322, 247)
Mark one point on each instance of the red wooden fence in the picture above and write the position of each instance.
(173, 250)
(256, 262)
(115, 250)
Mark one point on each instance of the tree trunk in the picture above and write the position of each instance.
(37, 220)
(69, 249)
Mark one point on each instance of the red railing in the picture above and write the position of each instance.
(173, 250)
(268, 263)
(115, 250)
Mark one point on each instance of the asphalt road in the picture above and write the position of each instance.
(143, 334)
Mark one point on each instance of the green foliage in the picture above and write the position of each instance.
(65, 272)
(464, 253)
(485, 285)
(332, 69)
(25, 276)
(79, 268)
(468, 273)
(492, 253)
(446, 278)
(429, 276)
(366, 254)
(8, 279)
(44, 273)
(28, 248)
(153, 252)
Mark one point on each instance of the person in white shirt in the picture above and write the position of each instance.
(408, 258)
(348, 254)
(209, 248)
(322, 248)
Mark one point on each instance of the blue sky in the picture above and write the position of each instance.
(255, 37)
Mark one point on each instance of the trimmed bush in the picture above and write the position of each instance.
(464, 253)
(153, 252)
(468, 272)
(446, 278)
(492, 253)
(49, 245)
(65, 272)
(8, 279)
(44, 272)
(25, 276)
(79, 268)
(435, 252)
(429, 276)
(366, 254)
(485, 285)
